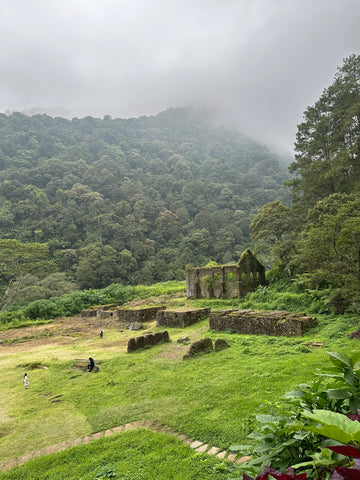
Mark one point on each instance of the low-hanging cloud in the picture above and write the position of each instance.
(256, 63)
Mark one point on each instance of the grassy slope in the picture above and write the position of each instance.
(130, 455)
(211, 398)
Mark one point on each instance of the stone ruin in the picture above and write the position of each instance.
(136, 343)
(249, 322)
(181, 317)
(226, 281)
(205, 345)
(140, 314)
(102, 311)
(123, 314)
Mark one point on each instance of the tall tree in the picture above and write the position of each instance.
(16, 261)
(328, 141)
(329, 247)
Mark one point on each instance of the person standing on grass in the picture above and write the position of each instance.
(101, 334)
(26, 381)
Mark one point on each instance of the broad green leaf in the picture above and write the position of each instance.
(266, 418)
(241, 448)
(351, 378)
(340, 359)
(295, 394)
(354, 404)
(334, 425)
(337, 394)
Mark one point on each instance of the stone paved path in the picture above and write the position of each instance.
(196, 445)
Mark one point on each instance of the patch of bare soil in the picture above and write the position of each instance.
(60, 331)
(173, 352)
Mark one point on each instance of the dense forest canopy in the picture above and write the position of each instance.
(129, 200)
(319, 244)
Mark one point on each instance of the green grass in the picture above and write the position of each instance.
(132, 455)
(212, 398)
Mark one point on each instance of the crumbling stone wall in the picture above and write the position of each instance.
(136, 343)
(226, 281)
(250, 322)
(205, 345)
(181, 318)
(99, 310)
(146, 314)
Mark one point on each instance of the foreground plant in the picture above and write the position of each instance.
(295, 433)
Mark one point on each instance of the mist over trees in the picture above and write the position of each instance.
(321, 249)
(131, 201)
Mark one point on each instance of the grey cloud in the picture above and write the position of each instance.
(257, 63)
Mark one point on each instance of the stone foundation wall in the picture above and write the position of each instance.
(147, 314)
(181, 318)
(89, 313)
(262, 323)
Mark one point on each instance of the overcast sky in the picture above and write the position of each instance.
(257, 63)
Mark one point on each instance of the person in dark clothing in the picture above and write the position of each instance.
(91, 365)
(101, 334)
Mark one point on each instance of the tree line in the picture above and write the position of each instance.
(316, 242)
(89, 202)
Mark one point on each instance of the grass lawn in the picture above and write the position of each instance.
(140, 455)
(212, 398)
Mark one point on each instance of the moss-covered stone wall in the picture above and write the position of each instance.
(250, 322)
(145, 314)
(226, 281)
(180, 317)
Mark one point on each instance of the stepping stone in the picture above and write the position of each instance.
(231, 457)
(118, 429)
(188, 441)
(147, 423)
(36, 454)
(23, 459)
(129, 426)
(75, 442)
(97, 435)
(168, 430)
(86, 439)
(62, 446)
(213, 450)
(243, 459)
(157, 426)
(203, 448)
(195, 444)
(48, 450)
(221, 454)
(182, 437)
(10, 464)
(138, 423)
(108, 432)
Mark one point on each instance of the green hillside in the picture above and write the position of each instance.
(132, 200)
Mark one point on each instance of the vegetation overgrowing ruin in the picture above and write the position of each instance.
(226, 281)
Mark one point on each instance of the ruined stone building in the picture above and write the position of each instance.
(226, 281)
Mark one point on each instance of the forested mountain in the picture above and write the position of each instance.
(132, 200)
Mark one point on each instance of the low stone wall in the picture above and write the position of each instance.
(262, 323)
(205, 345)
(146, 314)
(148, 340)
(89, 313)
(109, 314)
(181, 318)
